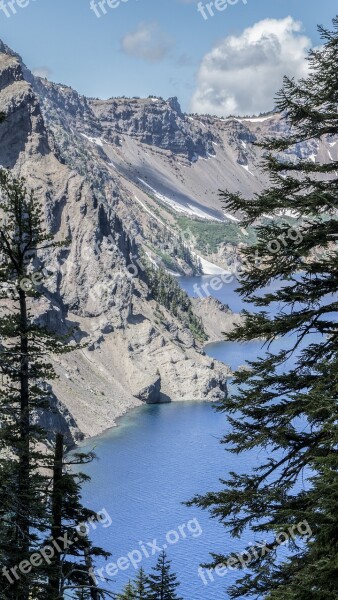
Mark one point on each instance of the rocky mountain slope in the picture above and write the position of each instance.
(169, 166)
(130, 182)
(135, 350)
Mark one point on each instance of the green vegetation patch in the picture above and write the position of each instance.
(166, 291)
(210, 235)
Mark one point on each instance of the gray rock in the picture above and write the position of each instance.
(151, 394)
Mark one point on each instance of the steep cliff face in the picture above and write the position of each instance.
(135, 351)
(154, 122)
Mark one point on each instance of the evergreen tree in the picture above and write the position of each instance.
(31, 507)
(166, 291)
(137, 589)
(286, 402)
(141, 586)
(71, 568)
(162, 583)
(128, 593)
(23, 344)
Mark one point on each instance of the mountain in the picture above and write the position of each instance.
(130, 182)
(168, 167)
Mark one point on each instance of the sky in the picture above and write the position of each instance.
(225, 58)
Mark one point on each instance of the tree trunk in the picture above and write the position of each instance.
(24, 500)
(55, 578)
(94, 593)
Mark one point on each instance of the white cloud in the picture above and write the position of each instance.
(42, 72)
(242, 73)
(148, 42)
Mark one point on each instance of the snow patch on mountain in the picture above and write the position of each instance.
(188, 209)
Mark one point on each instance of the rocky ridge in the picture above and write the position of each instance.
(135, 351)
(169, 167)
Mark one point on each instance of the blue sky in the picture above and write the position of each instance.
(167, 48)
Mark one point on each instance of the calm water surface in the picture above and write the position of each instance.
(157, 458)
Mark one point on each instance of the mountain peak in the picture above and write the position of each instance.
(175, 105)
(4, 49)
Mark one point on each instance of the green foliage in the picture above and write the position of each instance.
(168, 261)
(24, 368)
(162, 583)
(137, 589)
(166, 291)
(33, 505)
(141, 586)
(128, 592)
(170, 247)
(211, 235)
(290, 409)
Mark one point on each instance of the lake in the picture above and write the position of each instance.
(157, 458)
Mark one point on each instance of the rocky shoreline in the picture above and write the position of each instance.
(145, 362)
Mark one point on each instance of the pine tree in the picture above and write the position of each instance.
(31, 507)
(289, 409)
(128, 592)
(72, 567)
(23, 345)
(137, 589)
(141, 586)
(166, 291)
(162, 583)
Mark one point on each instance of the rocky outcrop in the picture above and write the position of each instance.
(154, 122)
(151, 394)
(127, 352)
(217, 318)
(58, 419)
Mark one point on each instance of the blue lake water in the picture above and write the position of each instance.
(157, 458)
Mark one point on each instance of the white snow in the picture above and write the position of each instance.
(209, 268)
(230, 119)
(93, 140)
(283, 213)
(189, 209)
(256, 119)
(148, 210)
(246, 167)
(288, 213)
(231, 217)
(202, 214)
(196, 121)
(152, 260)
(312, 157)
